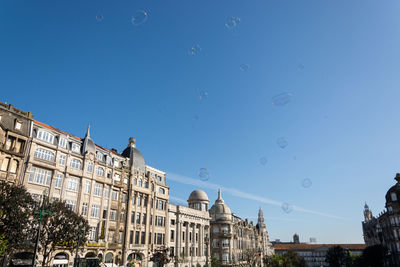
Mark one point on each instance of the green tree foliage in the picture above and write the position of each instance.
(215, 262)
(373, 256)
(161, 256)
(338, 257)
(63, 229)
(249, 255)
(290, 259)
(16, 206)
(3, 245)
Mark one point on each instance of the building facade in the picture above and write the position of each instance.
(123, 199)
(232, 237)
(15, 132)
(385, 228)
(189, 231)
(315, 254)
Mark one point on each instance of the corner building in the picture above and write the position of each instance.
(123, 199)
(189, 231)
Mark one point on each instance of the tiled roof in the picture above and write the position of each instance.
(305, 246)
(73, 136)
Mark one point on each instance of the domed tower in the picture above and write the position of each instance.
(136, 158)
(367, 213)
(198, 200)
(220, 212)
(296, 239)
(392, 196)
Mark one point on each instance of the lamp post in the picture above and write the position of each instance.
(76, 262)
(45, 194)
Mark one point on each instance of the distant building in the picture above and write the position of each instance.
(314, 254)
(231, 236)
(15, 132)
(385, 228)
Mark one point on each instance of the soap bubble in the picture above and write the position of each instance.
(139, 17)
(286, 207)
(99, 17)
(282, 99)
(306, 183)
(282, 142)
(263, 161)
(202, 94)
(232, 22)
(244, 67)
(194, 50)
(204, 174)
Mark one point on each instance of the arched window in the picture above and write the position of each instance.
(76, 164)
(161, 190)
(140, 182)
(100, 171)
(90, 166)
(108, 258)
(135, 181)
(44, 154)
(45, 136)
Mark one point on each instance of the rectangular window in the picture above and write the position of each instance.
(111, 235)
(161, 204)
(138, 218)
(122, 216)
(71, 204)
(62, 159)
(132, 217)
(151, 219)
(95, 211)
(84, 209)
(98, 190)
(123, 197)
(19, 147)
(4, 164)
(63, 142)
(14, 166)
(92, 234)
(76, 148)
(172, 235)
(59, 179)
(105, 212)
(113, 215)
(144, 218)
(139, 200)
(137, 237)
(88, 184)
(114, 195)
(40, 176)
(143, 238)
(159, 239)
(107, 191)
(150, 239)
(130, 237)
(120, 237)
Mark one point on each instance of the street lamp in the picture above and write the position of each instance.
(45, 194)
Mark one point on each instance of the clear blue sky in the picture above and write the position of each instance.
(339, 59)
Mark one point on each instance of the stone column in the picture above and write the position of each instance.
(187, 239)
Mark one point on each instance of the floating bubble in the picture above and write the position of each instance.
(204, 174)
(263, 161)
(286, 207)
(300, 66)
(139, 17)
(244, 67)
(306, 183)
(232, 22)
(194, 50)
(282, 142)
(282, 99)
(99, 17)
(202, 94)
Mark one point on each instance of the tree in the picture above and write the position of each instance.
(290, 259)
(64, 229)
(337, 256)
(161, 256)
(373, 256)
(16, 206)
(249, 255)
(215, 262)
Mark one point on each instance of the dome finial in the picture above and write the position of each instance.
(219, 194)
(132, 141)
(397, 178)
(88, 131)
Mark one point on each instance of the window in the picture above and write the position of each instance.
(114, 195)
(72, 184)
(172, 222)
(134, 200)
(39, 176)
(160, 221)
(19, 147)
(90, 166)
(76, 148)
(143, 238)
(172, 235)
(151, 219)
(88, 185)
(120, 237)
(63, 142)
(18, 125)
(117, 177)
(99, 156)
(71, 204)
(138, 218)
(59, 179)
(10, 142)
(45, 136)
(109, 174)
(116, 163)
(152, 187)
(135, 181)
(95, 211)
(122, 216)
(146, 184)
(100, 171)
(161, 190)
(44, 154)
(111, 235)
(139, 200)
(145, 201)
(113, 215)
(92, 234)
(130, 237)
(84, 208)
(107, 191)
(132, 217)
(98, 190)
(159, 239)
(140, 182)
(144, 218)
(123, 197)
(394, 197)
(14, 166)
(76, 164)
(62, 159)
(105, 209)
(161, 204)
(137, 237)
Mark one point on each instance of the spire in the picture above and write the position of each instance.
(88, 132)
(219, 194)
